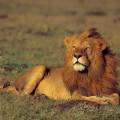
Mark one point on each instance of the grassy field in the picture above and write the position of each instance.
(32, 32)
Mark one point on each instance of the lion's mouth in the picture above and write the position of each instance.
(79, 65)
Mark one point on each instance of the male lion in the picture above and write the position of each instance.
(89, 73)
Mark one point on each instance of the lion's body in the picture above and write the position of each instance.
(89, 72)
(53, 86)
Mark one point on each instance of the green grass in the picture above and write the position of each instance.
(32, 32)
(29, 108)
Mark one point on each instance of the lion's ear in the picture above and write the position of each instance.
(67, 41)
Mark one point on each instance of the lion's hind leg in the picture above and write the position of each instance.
(5, 86)
(27, 83)
(9, 89)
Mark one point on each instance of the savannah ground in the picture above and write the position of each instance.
(32, 32)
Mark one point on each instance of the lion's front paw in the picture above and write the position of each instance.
(103, 101)
(111, 99)
(114, 99)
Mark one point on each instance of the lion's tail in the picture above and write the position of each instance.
(6, 87)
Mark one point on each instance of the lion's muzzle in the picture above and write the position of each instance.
(80, 63)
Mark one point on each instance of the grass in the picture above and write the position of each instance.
(32, 32)
(28, 108)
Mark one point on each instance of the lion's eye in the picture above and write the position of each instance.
(88, 49)
(88, 46)
(74, 47)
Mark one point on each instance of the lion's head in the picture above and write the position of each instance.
(83, 49)
(89, 63)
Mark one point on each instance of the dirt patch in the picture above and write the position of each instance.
(3, 16)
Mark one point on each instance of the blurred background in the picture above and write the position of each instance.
(32, 32)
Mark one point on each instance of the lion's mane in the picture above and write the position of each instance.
(99, 80)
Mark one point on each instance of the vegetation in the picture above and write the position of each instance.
(32, 32)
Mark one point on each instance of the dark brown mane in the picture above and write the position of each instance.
(99, 80)
(93, 33)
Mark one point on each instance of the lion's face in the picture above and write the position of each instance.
(81, 51)
(80, 59)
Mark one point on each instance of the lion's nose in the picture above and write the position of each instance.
(77, 55)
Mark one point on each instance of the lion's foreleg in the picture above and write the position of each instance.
(28, 82)
(109, 99)
(113, 98)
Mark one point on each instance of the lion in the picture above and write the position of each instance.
(88, 73)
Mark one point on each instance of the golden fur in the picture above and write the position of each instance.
(89, 73)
